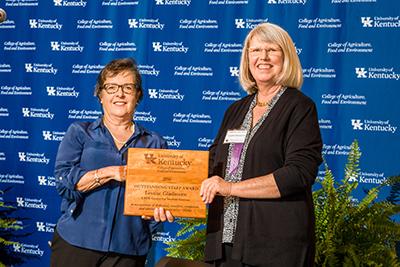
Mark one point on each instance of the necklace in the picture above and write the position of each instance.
(132, 129)
(261, 104)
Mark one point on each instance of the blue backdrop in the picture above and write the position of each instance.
(188, 54)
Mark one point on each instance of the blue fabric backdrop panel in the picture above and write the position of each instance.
(188, 53)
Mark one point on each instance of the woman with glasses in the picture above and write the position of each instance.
(90, 173)
(264, 161)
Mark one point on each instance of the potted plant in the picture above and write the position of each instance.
(348, 232)
(8, 226)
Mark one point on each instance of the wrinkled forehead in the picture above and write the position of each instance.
(262, 39)
(126, 74)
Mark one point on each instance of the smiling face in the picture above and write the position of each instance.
(119, 105)
(265, 62)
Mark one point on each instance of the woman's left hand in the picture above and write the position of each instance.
(213, 186)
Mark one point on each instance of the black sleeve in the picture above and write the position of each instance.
(302, 150)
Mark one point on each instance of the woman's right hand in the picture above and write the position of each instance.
(98, 177)
(117, 173)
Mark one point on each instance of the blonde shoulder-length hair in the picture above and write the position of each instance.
(291, 74)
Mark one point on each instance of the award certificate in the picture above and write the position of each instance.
(165, 178)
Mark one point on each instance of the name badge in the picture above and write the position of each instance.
(235, 136)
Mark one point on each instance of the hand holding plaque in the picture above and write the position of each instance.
(165, 178)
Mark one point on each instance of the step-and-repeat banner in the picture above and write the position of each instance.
(188, 53)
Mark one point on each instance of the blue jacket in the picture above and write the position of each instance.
(95, 220)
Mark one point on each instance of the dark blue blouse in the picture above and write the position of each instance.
(94, 219)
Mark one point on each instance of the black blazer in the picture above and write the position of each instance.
(272, 232)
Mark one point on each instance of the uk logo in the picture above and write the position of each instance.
(47, 135)
(361, 73)
(55, 46)
(234, 71)
(240, 24)
(26, 112)
(357, 124)
(33, 23)
(150, 158)
(20, 202)
(157, 47)
(51, 91)
(28, 67)
(366, 22)
(40, 227)
(353, 179)
(159, 2)
(45, 227)
(17, 247)
(42, 180)
(46, 181)
(133, 23)
(153, 93)
(272, 2)
(57, 2)
(22, 156)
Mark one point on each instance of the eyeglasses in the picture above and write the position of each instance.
(271, 51)
(112, 88)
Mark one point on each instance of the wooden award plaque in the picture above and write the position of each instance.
(165, 178)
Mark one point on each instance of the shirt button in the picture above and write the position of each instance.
(60, 178)
(72, 211)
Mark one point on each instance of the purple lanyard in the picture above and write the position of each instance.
(235, 157)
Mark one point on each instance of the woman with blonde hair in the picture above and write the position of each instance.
(264, 161)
